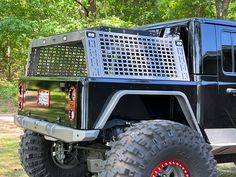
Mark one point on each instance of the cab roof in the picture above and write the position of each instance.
(186, 21)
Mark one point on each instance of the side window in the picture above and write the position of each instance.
(234, 50)
(228, 42)
(209, 49)
(177, 32)
(183, 32)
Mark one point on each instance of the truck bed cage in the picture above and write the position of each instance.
(108, 53)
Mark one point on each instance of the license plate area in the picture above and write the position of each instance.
(44, 98)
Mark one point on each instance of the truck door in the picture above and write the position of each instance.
(226, 44)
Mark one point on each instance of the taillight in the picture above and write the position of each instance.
(72, 103)
(21, 96)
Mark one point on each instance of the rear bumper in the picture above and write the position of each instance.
(55, 131)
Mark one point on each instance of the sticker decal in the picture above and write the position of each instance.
(44, 98)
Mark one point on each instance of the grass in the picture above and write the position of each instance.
(9, 89)
(9, 158)
(8, 97)
(226, 170)
(9, 144)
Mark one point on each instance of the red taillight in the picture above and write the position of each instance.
(21, 96)
(72, 103)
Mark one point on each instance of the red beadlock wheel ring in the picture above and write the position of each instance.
(175, 163)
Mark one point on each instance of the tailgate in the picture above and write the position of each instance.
(48, 99)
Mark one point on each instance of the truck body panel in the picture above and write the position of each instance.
(208, 88)
(53, 104)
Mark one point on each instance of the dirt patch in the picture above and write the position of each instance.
(9, 129)
(7, 106)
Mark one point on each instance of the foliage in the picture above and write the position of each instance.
(232, 10)
(111, 21)
(138, 12)
(8, 97)
(8, 89)
(177, 9)
(22, 20)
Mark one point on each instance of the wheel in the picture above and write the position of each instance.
(42, 158)
(159, 149)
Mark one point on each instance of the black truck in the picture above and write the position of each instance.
(152, 101)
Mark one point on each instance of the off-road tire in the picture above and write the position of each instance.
(139, 150)
(36, 158)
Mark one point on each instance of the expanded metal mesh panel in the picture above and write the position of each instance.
(58, 60)
(121, 55)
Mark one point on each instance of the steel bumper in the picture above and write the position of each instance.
(55, 131)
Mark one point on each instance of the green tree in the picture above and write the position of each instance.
(177, 9)
(231, 11)
(23, 20)
(13, 42)
(136, 12)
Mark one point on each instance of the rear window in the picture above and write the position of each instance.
(176, 32)
(228, 43)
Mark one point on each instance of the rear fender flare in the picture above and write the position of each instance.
(180, 96)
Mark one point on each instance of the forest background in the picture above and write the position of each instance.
(23, 20)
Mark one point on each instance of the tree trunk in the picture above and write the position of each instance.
(105, 7)
(93, 9)
(83, 10)
(9, 73)
(88, 11)
(222, 7)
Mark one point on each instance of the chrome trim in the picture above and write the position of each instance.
(181, 97)
(198, 111)
(221, 136)
(84, 105)
(222, 140)
(50, 138)
(56, 131)
(83, 113)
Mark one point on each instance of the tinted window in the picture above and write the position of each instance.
(234, 50)
(209, 51)
(176, 32)
(228, 44)
(179, 32)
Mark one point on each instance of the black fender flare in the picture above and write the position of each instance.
(180, 96)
